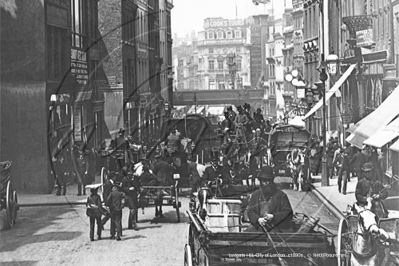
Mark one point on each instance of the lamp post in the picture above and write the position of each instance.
(232, 68)
(322, 92)
(195, 99)
(166, 106)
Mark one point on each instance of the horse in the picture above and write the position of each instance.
(296, 162)
(204, 193)
(366, 245)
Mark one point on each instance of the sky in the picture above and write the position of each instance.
(188, 15)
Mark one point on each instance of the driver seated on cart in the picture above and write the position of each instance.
(213, 173)
(173, 142)
(269, 206)
(369, 189)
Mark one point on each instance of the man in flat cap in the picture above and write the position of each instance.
(269, 206)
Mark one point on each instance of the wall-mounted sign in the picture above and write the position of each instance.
(364, 37)
(217, 23)
(79, 66)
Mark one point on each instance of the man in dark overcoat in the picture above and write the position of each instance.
(269, 206)
(131, 188)
(369, 189)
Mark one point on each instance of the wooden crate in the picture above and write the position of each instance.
(224, 206)
(223, 222)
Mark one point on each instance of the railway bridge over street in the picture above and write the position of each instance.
(215, 97)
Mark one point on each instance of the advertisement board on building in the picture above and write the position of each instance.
(79, 66)
(219, 23)
(256, 55)
(364, 37)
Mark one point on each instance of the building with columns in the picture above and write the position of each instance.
(224, 54)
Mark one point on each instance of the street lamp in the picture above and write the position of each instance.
(195, 99)
(166, 106)
(296, 80)
(332, 64)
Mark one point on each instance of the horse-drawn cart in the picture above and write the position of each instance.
(365, 239)
(8, 196)
(168, 195)
(223, 241)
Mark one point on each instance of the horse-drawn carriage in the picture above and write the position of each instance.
(283, 139)
(8, 196)
(366, 239)
(221, 239)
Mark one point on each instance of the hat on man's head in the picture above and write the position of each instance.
(121, 130)
(367, 167)
(117, 184)
(266, 173)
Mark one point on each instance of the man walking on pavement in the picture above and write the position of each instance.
(371, 190)
(107, 190)
(343, 170)
(131, 188)
(116, 201)
(357, 161)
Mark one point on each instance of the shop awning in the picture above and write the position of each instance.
(214, 110)
(377, 120)
(384, 135)
(331, 92)
(395, 146)
(200, 109)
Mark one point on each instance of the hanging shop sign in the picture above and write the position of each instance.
(83, 95)
(77, 122)
(79, 66)
(364, 37)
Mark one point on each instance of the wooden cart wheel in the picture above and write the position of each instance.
(16, 208)
(9, 207)
(188, 259)
(104, 176)
(177, 203)
(344, 245)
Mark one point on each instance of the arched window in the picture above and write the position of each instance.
(229, 35)
(220, 35)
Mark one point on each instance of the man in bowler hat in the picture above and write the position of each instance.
(269, 206)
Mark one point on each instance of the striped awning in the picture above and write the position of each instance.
(384, 135)
(377, 120)
(331, 92)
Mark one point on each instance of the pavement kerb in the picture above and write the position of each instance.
(330, 206)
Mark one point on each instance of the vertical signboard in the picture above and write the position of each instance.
(256, 55)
